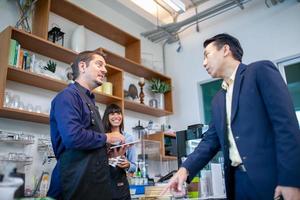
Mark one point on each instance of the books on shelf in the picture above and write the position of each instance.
(13, 52)
(20, 58)
(28, 61)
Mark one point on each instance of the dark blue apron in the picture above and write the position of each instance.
(119, 184)
(85, 173)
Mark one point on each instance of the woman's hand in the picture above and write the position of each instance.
(125, 164)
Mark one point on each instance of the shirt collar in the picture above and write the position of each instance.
(226, 84)
(86, 91)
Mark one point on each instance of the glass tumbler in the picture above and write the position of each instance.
(15, 102)
(7, 99)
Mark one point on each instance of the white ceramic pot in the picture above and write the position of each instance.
(78, 39)
(161, 100)
(8, 188)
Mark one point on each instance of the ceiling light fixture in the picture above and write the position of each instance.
(172, 6)
(177, 5)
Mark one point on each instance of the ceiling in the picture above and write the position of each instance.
(163, 26)
(158, 15)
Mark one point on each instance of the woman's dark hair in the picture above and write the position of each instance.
(221, 39)
(85, 56)
(112, 108)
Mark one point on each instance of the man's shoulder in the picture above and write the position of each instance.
(69, 93)
(261, 64)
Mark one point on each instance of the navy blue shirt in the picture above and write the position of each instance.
(70, 120)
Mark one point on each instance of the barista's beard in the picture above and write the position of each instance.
(98, 83)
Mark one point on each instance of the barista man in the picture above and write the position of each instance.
(78, 137)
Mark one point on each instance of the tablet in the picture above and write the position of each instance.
(121, 145)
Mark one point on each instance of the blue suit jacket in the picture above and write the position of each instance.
(264, 126)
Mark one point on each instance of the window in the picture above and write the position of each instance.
(208, 91)
(290, 70)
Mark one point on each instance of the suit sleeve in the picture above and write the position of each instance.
(281, 113)
(204, 152)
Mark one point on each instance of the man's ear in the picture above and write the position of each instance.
(82, 66)
(226, 50)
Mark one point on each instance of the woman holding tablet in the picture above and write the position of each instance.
(113, 122)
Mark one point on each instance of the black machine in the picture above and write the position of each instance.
(193, 132)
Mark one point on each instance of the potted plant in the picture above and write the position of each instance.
(48, 69)
(159, 88)
(51, 66)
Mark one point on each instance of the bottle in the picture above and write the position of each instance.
(138, 172)
(44, 184)
(138, 175)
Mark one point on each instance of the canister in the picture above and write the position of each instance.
(107, 88)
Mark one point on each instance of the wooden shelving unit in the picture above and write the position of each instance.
(160, 136)
(80, 16)
(141, 71)
(46, 48)
(24, 115)
(132, 60)
(137, 107)
(38, 43)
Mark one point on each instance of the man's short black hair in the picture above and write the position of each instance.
(221, 39)
(85, 56)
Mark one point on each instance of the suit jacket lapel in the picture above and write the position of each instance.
(220, 109)
(236, 89)
(222, 104)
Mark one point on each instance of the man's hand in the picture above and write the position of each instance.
(115, 137)
(288, 193)
(175, 184)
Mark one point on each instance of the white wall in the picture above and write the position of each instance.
(265, 33)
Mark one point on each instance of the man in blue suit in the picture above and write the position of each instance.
(253, 123)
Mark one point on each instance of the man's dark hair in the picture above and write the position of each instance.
(85, 56)
(221, 39)
(112, 108)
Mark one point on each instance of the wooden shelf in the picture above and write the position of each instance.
(72, 12)
(23, 115)
(132, 67)
(47, 83)
(169, 158)
(170, 134)
(160, 136)
(78, 15)
(36, 80)
(137, 107)
(43, 47)
(105, 98)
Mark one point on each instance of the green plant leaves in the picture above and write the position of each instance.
(158, 86)
(51, 66)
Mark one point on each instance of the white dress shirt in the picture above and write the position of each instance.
(233, 151)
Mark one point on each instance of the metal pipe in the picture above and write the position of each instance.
(171, 29)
